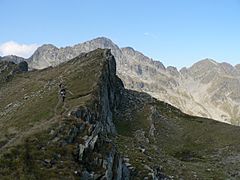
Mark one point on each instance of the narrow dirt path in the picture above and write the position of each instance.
(39, 126)
(57, 105)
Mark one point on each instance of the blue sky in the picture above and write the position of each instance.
(176, 32)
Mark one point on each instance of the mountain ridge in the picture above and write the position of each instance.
(207, 88)
(104, 131)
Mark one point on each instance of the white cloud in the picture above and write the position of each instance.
(14, 48)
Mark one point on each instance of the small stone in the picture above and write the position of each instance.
(56, 139)
(208, 170)
(48, 161)
(52, 132)
(128, 164)
(126, 159)
(147, 167)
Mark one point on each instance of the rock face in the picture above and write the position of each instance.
(22, 67)
(49, 55)
(79, 136)
(12, 58)
(97, 151)
(207, 89)
(8, 69)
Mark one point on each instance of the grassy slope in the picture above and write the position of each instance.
(184, 146)
(30, 109)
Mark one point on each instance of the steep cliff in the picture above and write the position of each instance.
(44, 137)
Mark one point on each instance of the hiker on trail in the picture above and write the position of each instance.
(62, 92)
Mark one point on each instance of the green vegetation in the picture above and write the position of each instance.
(183, 146)
(30, 110)
(35, 127)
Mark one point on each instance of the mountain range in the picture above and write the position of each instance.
(207, 88)
(103, 131)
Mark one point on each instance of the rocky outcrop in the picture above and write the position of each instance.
(83, 133)
(8, 69)
(12, 58)
(97, 151)
(44, 56)
(109, 94)
(21, 67)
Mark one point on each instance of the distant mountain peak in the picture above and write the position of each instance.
(203, 66)
(132, 51)
(103, 40)
(128, 48)
(13, 58)
(207, 61)
(207, 85)
(47, 46)
(227, 67)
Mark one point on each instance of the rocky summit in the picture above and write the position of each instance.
(102, 130)
(207, 88)
(12, 58)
